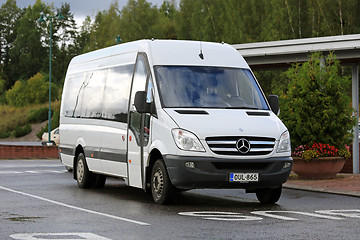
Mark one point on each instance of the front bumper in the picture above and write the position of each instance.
(215, 173)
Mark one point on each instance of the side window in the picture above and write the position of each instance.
(150, 91)
(116, 93)
(93, 91)
(140, 123)
(72, 90)
(139, 81)
(149, 99)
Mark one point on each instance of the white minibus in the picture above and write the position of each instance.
(170, 115)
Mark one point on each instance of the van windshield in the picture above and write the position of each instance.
(208, 87)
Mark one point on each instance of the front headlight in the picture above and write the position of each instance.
(187, 141)
(284, 143)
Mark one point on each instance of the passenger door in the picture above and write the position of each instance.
(139, 125)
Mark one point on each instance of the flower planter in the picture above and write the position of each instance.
(318, 168)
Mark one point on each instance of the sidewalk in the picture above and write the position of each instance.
(345, 184)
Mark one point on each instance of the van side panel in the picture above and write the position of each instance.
(113, 150)
(94, 111)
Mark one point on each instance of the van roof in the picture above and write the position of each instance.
(172, 52)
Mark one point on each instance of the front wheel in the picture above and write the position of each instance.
(269, 195)
(161, 188)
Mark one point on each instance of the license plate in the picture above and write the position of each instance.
(244, 177)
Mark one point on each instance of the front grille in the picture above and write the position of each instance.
(227, 145)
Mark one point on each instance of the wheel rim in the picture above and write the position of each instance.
(158, 183)
(80, 170)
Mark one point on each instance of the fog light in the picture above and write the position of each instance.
(287, 165)
(190, 164)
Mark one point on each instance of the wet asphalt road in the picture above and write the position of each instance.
(40, 200)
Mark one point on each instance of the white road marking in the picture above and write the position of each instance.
(31, 165)
(231, 216)
(33, 172)
(221, 216)
(64, 236)
(55, 171)
(10, 172)
(272, 215)
(352, 213)
(74, 207)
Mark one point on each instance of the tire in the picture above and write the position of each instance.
(84, 177)
(99, 181)
(161, 188)
(269, 195)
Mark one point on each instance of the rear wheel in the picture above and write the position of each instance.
(84, 177)
(269, 195)
(161, 188)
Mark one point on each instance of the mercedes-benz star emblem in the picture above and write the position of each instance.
(243, 145)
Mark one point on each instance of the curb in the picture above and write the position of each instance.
(322, 190)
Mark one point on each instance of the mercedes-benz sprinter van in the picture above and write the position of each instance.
(168, 115)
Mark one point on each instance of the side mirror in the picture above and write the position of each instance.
(274, 103)
(140, 102)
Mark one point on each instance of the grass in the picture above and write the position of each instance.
(13, 117)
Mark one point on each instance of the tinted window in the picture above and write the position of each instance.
(117, 92)
(92, 94)
(139, 84)
(70, 98)
(102, 94)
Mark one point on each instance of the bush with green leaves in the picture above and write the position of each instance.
(55, 121)
(21, 131)
(2, 90)
(39, 115)
(33, 91)
(5, 134)
(316, 107)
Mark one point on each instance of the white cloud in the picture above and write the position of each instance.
(82, 8)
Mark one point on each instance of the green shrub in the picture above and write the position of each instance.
(21, 131)
(34, 90)
(38, 115)
(17, 95)
(55, 120)
(316, 108)
(5, 134)
(2, 91)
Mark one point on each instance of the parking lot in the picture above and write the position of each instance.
(40, 200)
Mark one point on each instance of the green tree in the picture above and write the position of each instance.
(2, 91)
(81, 42)
(167, 19)
(63, 41)
(105, 28)
(2, 85)
(139, 20)
(28, 52)
(315, 108)
(9, 17)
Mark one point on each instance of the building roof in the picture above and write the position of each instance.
(263, 55)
